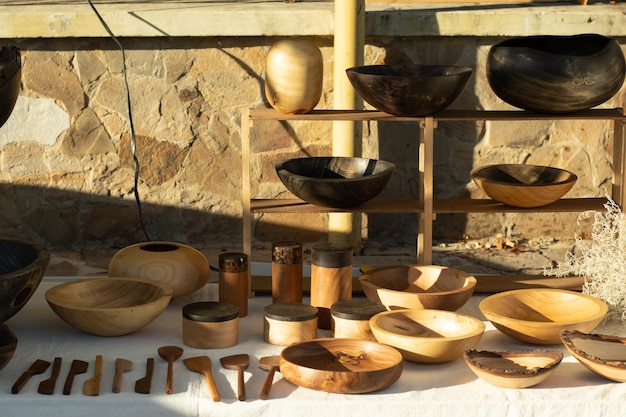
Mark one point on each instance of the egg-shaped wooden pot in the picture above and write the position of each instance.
(556, 74)
(293, 76)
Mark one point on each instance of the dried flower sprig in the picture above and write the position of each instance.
(602, 259)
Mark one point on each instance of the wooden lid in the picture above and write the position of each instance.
(210, 311)
(356, 309)
(330, 255)
(287, 252)
(290, 312)
(233, 262)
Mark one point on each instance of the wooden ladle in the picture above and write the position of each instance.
(238, 363)
(170, 354)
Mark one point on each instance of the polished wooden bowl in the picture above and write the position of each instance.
(427, 336)
(556, 74)
(409, 90)
(521, 185)
(604, 355)
(10, 80)
(418, 286)
(345, 366)
(109, 306)
(537, 315)
(338, 182)
(22, 266)
(8, 345)
(513, 369)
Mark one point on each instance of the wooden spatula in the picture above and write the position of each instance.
(238, 363)
(143, 385)
(46, 386)
(92, 385)
(78, 367)
(271, 364)
(121, 366)
(38, 367)
(202, 364)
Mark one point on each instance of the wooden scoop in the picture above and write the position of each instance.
(271, 364)
(121, 366)
(170, 354)
(202, 364)
(78, 367)
(92, 385)
(46, 386)
(238, 363)
(38, 367)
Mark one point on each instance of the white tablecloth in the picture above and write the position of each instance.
(449, 389)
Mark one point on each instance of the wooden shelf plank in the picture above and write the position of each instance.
(377, 205)
(466, 205)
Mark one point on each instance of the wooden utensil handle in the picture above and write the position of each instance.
(212, 387)
(168, 383)
(241, 386)
(267, 385)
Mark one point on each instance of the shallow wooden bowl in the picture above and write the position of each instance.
(521, 185)
(8, 345)
(537, 315)
(427, 336)
(418, 286)
(345, 366)
(513, 369)
(603, 354)
(335, 181)
(409, 90)
(109, 306)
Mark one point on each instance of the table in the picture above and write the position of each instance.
(449, 389)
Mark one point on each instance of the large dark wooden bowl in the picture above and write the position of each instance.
(22, 265)
(10, 80)
(335, 181)
(8, 345)
(556, 74)
(409, 90)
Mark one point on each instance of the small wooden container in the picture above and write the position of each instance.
(210, 325)
(287, 323)
(351, 318)
(287, 272)
(233, 280)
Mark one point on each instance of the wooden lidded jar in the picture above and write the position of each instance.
(210, 325)
(287, 323)
(287, 272)
(351, 318)
(233, 280)
(293, 76)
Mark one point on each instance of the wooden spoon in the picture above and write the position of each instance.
(38, 367)
(46, 386)
(92, 385)
(78, 367)
(202, 364)
(121, 366)
(238, 363)
(170, 354)
(271, 364)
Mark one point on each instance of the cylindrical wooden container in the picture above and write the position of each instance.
(287, 323)
(233, 280)
(210, 325)
(287, 272)
(351, 318)
(331, 279)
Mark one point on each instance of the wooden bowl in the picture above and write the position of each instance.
(513, 369)
(415, 286)
(337, 182)
(556, 74)
(109, 306)
(344, 366)
(427, 336)
(409, 90)
(537, 315)
(8, 345)
(22, 265)
(520, 185)
(603, 354)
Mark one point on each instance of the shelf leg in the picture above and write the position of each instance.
(246, 125)
(426, 218)
(619, 173)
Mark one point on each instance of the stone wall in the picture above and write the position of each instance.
(67, 172)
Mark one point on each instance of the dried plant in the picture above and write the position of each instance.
(602, 259)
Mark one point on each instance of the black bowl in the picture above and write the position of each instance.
(556, 74)
(10, 80)
(8, 345)
(337, 182)
(409, 90)
(22, 265)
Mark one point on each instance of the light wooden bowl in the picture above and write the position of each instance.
(344, 366)
(603, 354)
(537, 315)
(521, 185)
(108, 306)
(513, 369)
(427, 336)
(414, 287)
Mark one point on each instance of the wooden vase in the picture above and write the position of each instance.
(293, 76)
